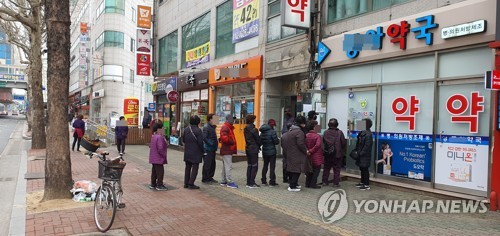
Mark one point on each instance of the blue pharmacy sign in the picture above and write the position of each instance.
(323, 52)
(405, 155)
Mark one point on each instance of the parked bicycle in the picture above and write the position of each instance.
(109, 195)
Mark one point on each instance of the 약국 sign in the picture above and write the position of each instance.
(296, 13)
(245, 19)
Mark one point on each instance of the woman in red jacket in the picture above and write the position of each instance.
(313, 143)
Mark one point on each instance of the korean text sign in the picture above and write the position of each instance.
(143, 64)
(131, 111)
(296, 13)
(198, 55)
(245, 19)
(144, 17)
(144, 41)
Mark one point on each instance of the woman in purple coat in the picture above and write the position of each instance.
(157, 157)
(79, 126)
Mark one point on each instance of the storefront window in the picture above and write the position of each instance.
(405, 141)
(168, 53)
(224, 29)
(223, 102)
(341, 9)
(110, 39)
(274, 29)
(462, 144)
(237, 100)
(194, 34)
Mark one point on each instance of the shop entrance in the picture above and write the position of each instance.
(362, 104)
(462, 137)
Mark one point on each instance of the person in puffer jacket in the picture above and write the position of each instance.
(269, 141)
(252, 148)
(313, 144)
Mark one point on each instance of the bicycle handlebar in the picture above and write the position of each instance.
(102, 155)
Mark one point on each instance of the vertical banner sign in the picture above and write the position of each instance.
(245, 19)
(144, 41)
(131, 111)
(144, 17)
(198, 55)
(143, 64)
(296, 13)
(463, 159)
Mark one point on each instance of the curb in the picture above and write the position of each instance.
(18, 216)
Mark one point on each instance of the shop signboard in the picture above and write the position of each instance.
(151, 106)
(144, 40)
(296, 13)
(173, 96)
(164, 85)
(144, 17)
(243, 70)
(245, 19)
(198, 55)
(475, 27)
(143, 64)
(492, 80)
(131, 111)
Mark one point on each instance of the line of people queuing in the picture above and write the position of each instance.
(304, 152)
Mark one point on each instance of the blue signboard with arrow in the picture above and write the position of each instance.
(323, 52)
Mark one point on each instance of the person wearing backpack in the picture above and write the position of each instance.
(335, 146)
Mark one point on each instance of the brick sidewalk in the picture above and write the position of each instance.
(173, 212)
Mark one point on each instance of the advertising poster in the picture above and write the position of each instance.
(144, 41)
(462, 161)
(131, 111)
(245, 19)
(143, 64)
(144, 17)
(405, 155)
(198, 55)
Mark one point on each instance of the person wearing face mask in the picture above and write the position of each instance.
(228, 148)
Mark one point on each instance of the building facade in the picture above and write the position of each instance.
(104, 52)
(421, 81)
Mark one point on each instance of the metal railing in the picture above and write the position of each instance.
(101, 132)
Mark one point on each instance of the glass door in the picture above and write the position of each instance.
(242, 106)
(362, 104)
(462, 138)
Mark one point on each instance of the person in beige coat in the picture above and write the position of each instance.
(295, 151)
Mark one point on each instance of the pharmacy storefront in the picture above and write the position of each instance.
(193, 91)
(422, 84)
(235, 90)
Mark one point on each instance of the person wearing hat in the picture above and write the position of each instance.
(269, 141)
(295, 152)
(287, 121)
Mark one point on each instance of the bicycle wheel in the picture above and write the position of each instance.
(104, 208)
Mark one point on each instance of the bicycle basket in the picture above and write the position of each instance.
(108, 171)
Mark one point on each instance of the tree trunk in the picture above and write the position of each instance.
(38, 126)
(58, 180)
(29, 113)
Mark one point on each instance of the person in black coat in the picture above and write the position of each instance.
(193, 152)
(364, 148)
(252, 148)
(269, 141)
(210, 145)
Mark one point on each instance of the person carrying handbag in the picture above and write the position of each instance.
(192, 137)
(335, 147)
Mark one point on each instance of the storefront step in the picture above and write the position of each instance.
(437, 193)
